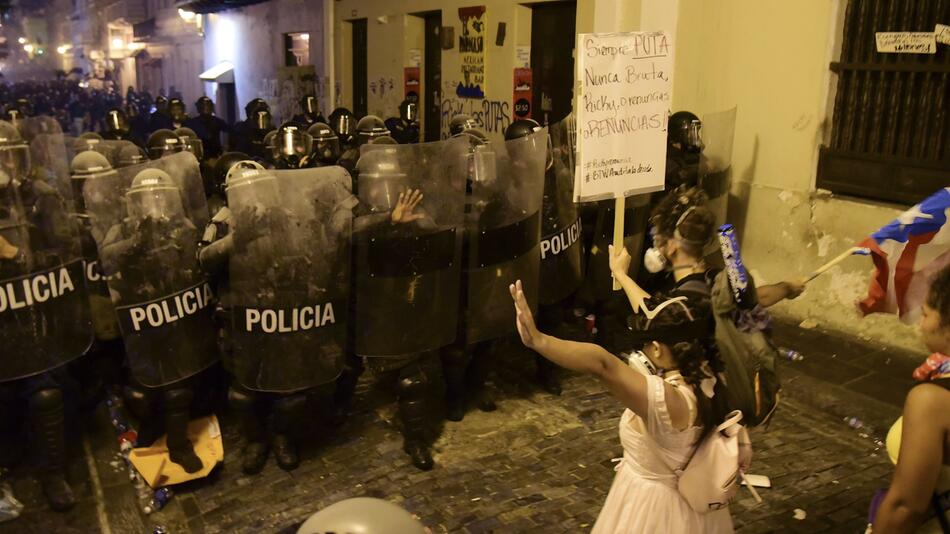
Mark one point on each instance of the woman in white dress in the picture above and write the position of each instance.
(665, 417)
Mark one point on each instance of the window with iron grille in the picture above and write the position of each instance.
(890, 134)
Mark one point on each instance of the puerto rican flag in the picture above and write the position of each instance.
(907, 253)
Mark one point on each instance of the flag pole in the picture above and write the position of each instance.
(843, 256)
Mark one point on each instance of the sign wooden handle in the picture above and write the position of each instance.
(619, 209)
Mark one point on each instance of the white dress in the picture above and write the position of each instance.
(643, 496)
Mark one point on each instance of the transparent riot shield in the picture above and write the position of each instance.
(145, 220)
(503, 230)
(716, 164)
(289, 276)
(561, 246)
(408, 247)
(44, 321)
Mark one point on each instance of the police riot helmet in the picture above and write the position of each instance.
(117, 121)
(177, 110)
(161, 104)
(292, 146)
(204, 106)
(326, 144)
(222, 166)
(14, 152)
(248, 183)
(382, 178)
(191, 142)
(85, 136)
(460, 123)
(262, 120)
(130, 154)
(684, 132)
(25, 106)
(255, 105)
(521, 128)
(154, 194)
(310, 105)
(409, 111)
(163, 142)
(368, 128)
(87, 165)
(343, 123)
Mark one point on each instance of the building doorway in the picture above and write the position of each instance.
(432, 83)
(552, 60)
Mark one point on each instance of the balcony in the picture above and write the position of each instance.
(202, 7)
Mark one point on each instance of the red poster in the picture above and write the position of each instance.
(411, 75)
(521, 99)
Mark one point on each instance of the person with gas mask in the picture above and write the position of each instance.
(208, 126)
(405, 127)
(504, 185)
(287, 290)
(326, 145)
(44, 319)
(163, 300)
(160, 118)
(309, 113)
(164, 143)
(343, 123)
(248, 135)
(561, 273)
(291, 147)
(407, 244)
(177, 112)
(368, 129)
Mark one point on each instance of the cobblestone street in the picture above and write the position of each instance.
(539, 464)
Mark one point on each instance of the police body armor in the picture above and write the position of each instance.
(289, 276)
(503, 230)
(408, 271)
(146, 222)
(561, 244)
(44, 320)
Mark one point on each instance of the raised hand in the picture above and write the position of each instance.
(407, 202)
(524, 320)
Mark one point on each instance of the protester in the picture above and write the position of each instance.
(924, 435)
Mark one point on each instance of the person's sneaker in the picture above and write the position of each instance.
(420, 455)
(285, 452)
(58, 493)
(254, 457)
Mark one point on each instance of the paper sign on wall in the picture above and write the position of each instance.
(523, 56)
(521, 96)
(472, 52)
(415, 57)
(411, 83)
(942, 33)
(626, 81)
(906, 42)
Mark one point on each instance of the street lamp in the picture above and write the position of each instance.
(21, 40)
(28, 48)
(61, 49)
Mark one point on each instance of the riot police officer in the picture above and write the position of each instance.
(405, 128)
(292, 147)
(117, 126)
(326, 145)
(343, 123)
(208, 126)
(248, 135)
(39, 240)
(160, 118)
(368, 129)
(162, 143)
(309, 112)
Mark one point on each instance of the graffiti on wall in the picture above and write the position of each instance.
(472, 52)
(293, 84)
(493, 115)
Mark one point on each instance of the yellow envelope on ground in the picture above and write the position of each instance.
(158, 470)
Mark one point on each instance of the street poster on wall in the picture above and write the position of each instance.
(293, 83)
(411, 84)
(626, 83)
(521, 97)
(472, 52)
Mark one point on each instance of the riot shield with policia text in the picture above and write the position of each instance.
(145, 220)
(502, 230)
(561, 245)
(44, 321)
(289, 276)
(408, 246)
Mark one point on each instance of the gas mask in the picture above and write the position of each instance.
(654, 260)
(642, 363)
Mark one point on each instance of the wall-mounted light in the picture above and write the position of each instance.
(21, 40)
(187, 16)
(136, 46)
(62, 49)
(28, 48)
(118, 43)
(40, 51)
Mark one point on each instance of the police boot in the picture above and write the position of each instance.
(345, 389)
(141, 404)
(477, 376)
(46, 409)
(177, 416)
(411, 393)
(454, 360)
(247, 407)
(288, 412)
(547, 375)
